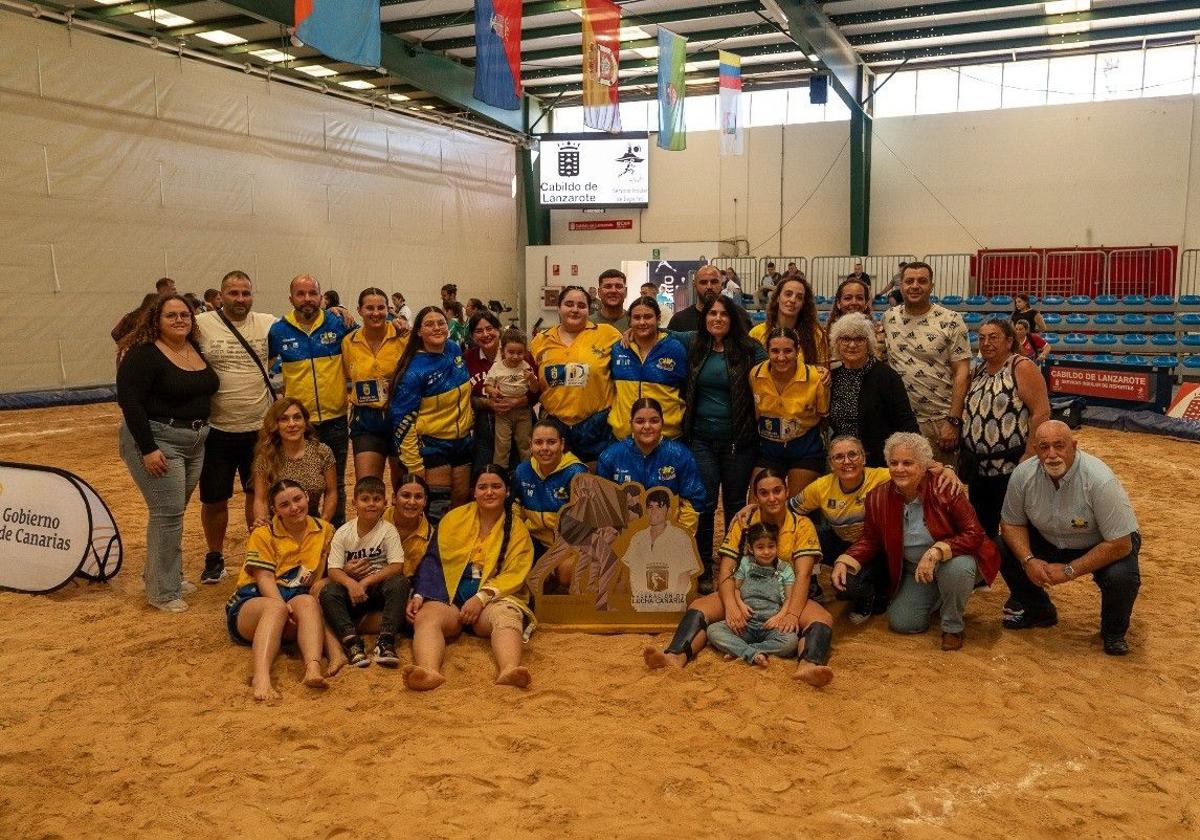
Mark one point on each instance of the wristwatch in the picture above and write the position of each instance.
(1069, 571)
(956, 422)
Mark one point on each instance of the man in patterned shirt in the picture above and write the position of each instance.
(927, 345)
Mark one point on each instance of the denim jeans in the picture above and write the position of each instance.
(953, 583)
(724, 467)
(335, 434)
(1118, 582)
(755, 639)
(166, 499)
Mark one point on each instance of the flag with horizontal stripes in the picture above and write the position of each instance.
(345, 30)
(731, 127)
(498, 53)
(601, 65)
(672, 53)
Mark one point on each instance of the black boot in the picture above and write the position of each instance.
(817, 640)
(690, 626)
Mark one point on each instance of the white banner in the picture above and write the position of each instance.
(53, 526)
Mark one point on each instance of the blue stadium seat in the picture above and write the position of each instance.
(878, 316)
(973, 317)
(1133, 319)
(1052, 318)
(1078, 318)
(1162, 318)
(1079, 300)
(1161, 300)
(1163, 340)
(1075, 338)
(1163, 361)
(823, 316)
(1106, 359)
(1134, 360)
(822, 299)
(1106, 300)
(1104, 338)
(1192, 362)
(1105, 318)
(952, 300)
(973, 337)
(935, 299)
(1075, 357)
(1134, 339)
(1053, 300)
(1189, 300)
(1191, 319)
(882, 300)
(1134, 300)
(1191, 340)
(976, 300)
(1002, 300)
(1051, 338)
(758, 316)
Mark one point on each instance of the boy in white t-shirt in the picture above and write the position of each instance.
(366, 573)
(512, 378)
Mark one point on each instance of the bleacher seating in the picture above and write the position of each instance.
(1079, 300)
(1192, 362)
(1134, 300)
(1134, 339)
(1105, 318)
(1164, 340)
(1078, 318)
(1162, 319)
(1190, 319)
(1106, 300)
(1052, 318)
(1134, 360)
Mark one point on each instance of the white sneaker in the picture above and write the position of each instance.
(187, 587)
(176, 606)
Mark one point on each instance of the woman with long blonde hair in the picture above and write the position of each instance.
(288, 448)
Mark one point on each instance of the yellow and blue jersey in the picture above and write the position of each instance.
(311, 360)
(845, 512)
(576, 379)
(759, 333)
(662, 375)
(789, 414)
(539, 497)
(797, 538)
(271, 548)
(432, 400)
(670, 465)
(370, 372)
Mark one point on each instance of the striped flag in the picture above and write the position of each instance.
(672, 52)
(601, 63)
(731, 127)
(498, 53)
(345, 30)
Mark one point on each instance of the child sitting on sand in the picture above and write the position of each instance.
(271, 602)
(763, 586)
(366, 573)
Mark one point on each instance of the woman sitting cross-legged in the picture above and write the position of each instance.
(933, 544)
(473, 577)
(272, 600)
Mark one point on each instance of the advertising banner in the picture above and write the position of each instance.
(1141, 387)
(53, 527)
(584, 170)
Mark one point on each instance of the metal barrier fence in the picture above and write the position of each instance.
(746, 268)
(1189, 272)
(1074, 271)
(1140, 271)
(1010, 272)
(952, 274)
(828, 272)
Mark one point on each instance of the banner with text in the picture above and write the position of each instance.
(1117, 386)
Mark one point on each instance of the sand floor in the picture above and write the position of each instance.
(120, 721)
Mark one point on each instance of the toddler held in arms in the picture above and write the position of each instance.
(510, 379)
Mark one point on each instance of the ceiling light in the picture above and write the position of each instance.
(164, 18)
(1065, 7)
(317, 71)
(1068, 28)
(398, 97)
(220, 36)
(427, 107)
(273, 56)
(357, 84)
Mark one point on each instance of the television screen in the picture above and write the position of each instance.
(594, 170)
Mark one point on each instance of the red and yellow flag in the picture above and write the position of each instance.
(601, 65)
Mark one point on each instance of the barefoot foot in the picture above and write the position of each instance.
(313, 678)
(760, 660)
(421, 679)
(656, 658)
(517, 677)
(336, 663)
(815, 675)
(263, 691)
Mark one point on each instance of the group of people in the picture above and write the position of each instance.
(482, 437)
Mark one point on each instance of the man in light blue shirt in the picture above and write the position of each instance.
(1066, 515)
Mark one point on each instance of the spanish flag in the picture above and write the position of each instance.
(344, 30)
(601, 65)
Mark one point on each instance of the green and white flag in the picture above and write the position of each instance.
(672, 52)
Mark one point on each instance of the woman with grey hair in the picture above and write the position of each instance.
(933, 544)
(868, 399)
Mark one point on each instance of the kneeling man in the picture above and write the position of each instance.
(1066, 515)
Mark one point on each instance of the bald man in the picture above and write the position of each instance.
(707, 284)
(1065, 516)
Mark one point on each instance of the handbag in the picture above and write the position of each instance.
(246, 346)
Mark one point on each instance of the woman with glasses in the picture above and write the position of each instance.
(868, 400)
(164, 387)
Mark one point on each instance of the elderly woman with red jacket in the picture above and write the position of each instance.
(933, 544)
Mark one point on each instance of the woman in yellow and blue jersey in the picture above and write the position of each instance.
(653, 364)
(573, 364)
(473, 576)
(542, 485)
(792, 305)
(790, 400)
(369, 358)
(430, 412)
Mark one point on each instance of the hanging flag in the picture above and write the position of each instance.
(733, 132)
(498, 53)
(601, 62)
(672, 52)
(345, 30)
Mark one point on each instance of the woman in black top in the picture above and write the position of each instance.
(164, 387)
(867, 400)
(1022, 311)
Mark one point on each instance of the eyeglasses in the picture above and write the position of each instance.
(851, 339)
(177, 316)
(846, 457)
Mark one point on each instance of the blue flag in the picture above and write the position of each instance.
(345, 30)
